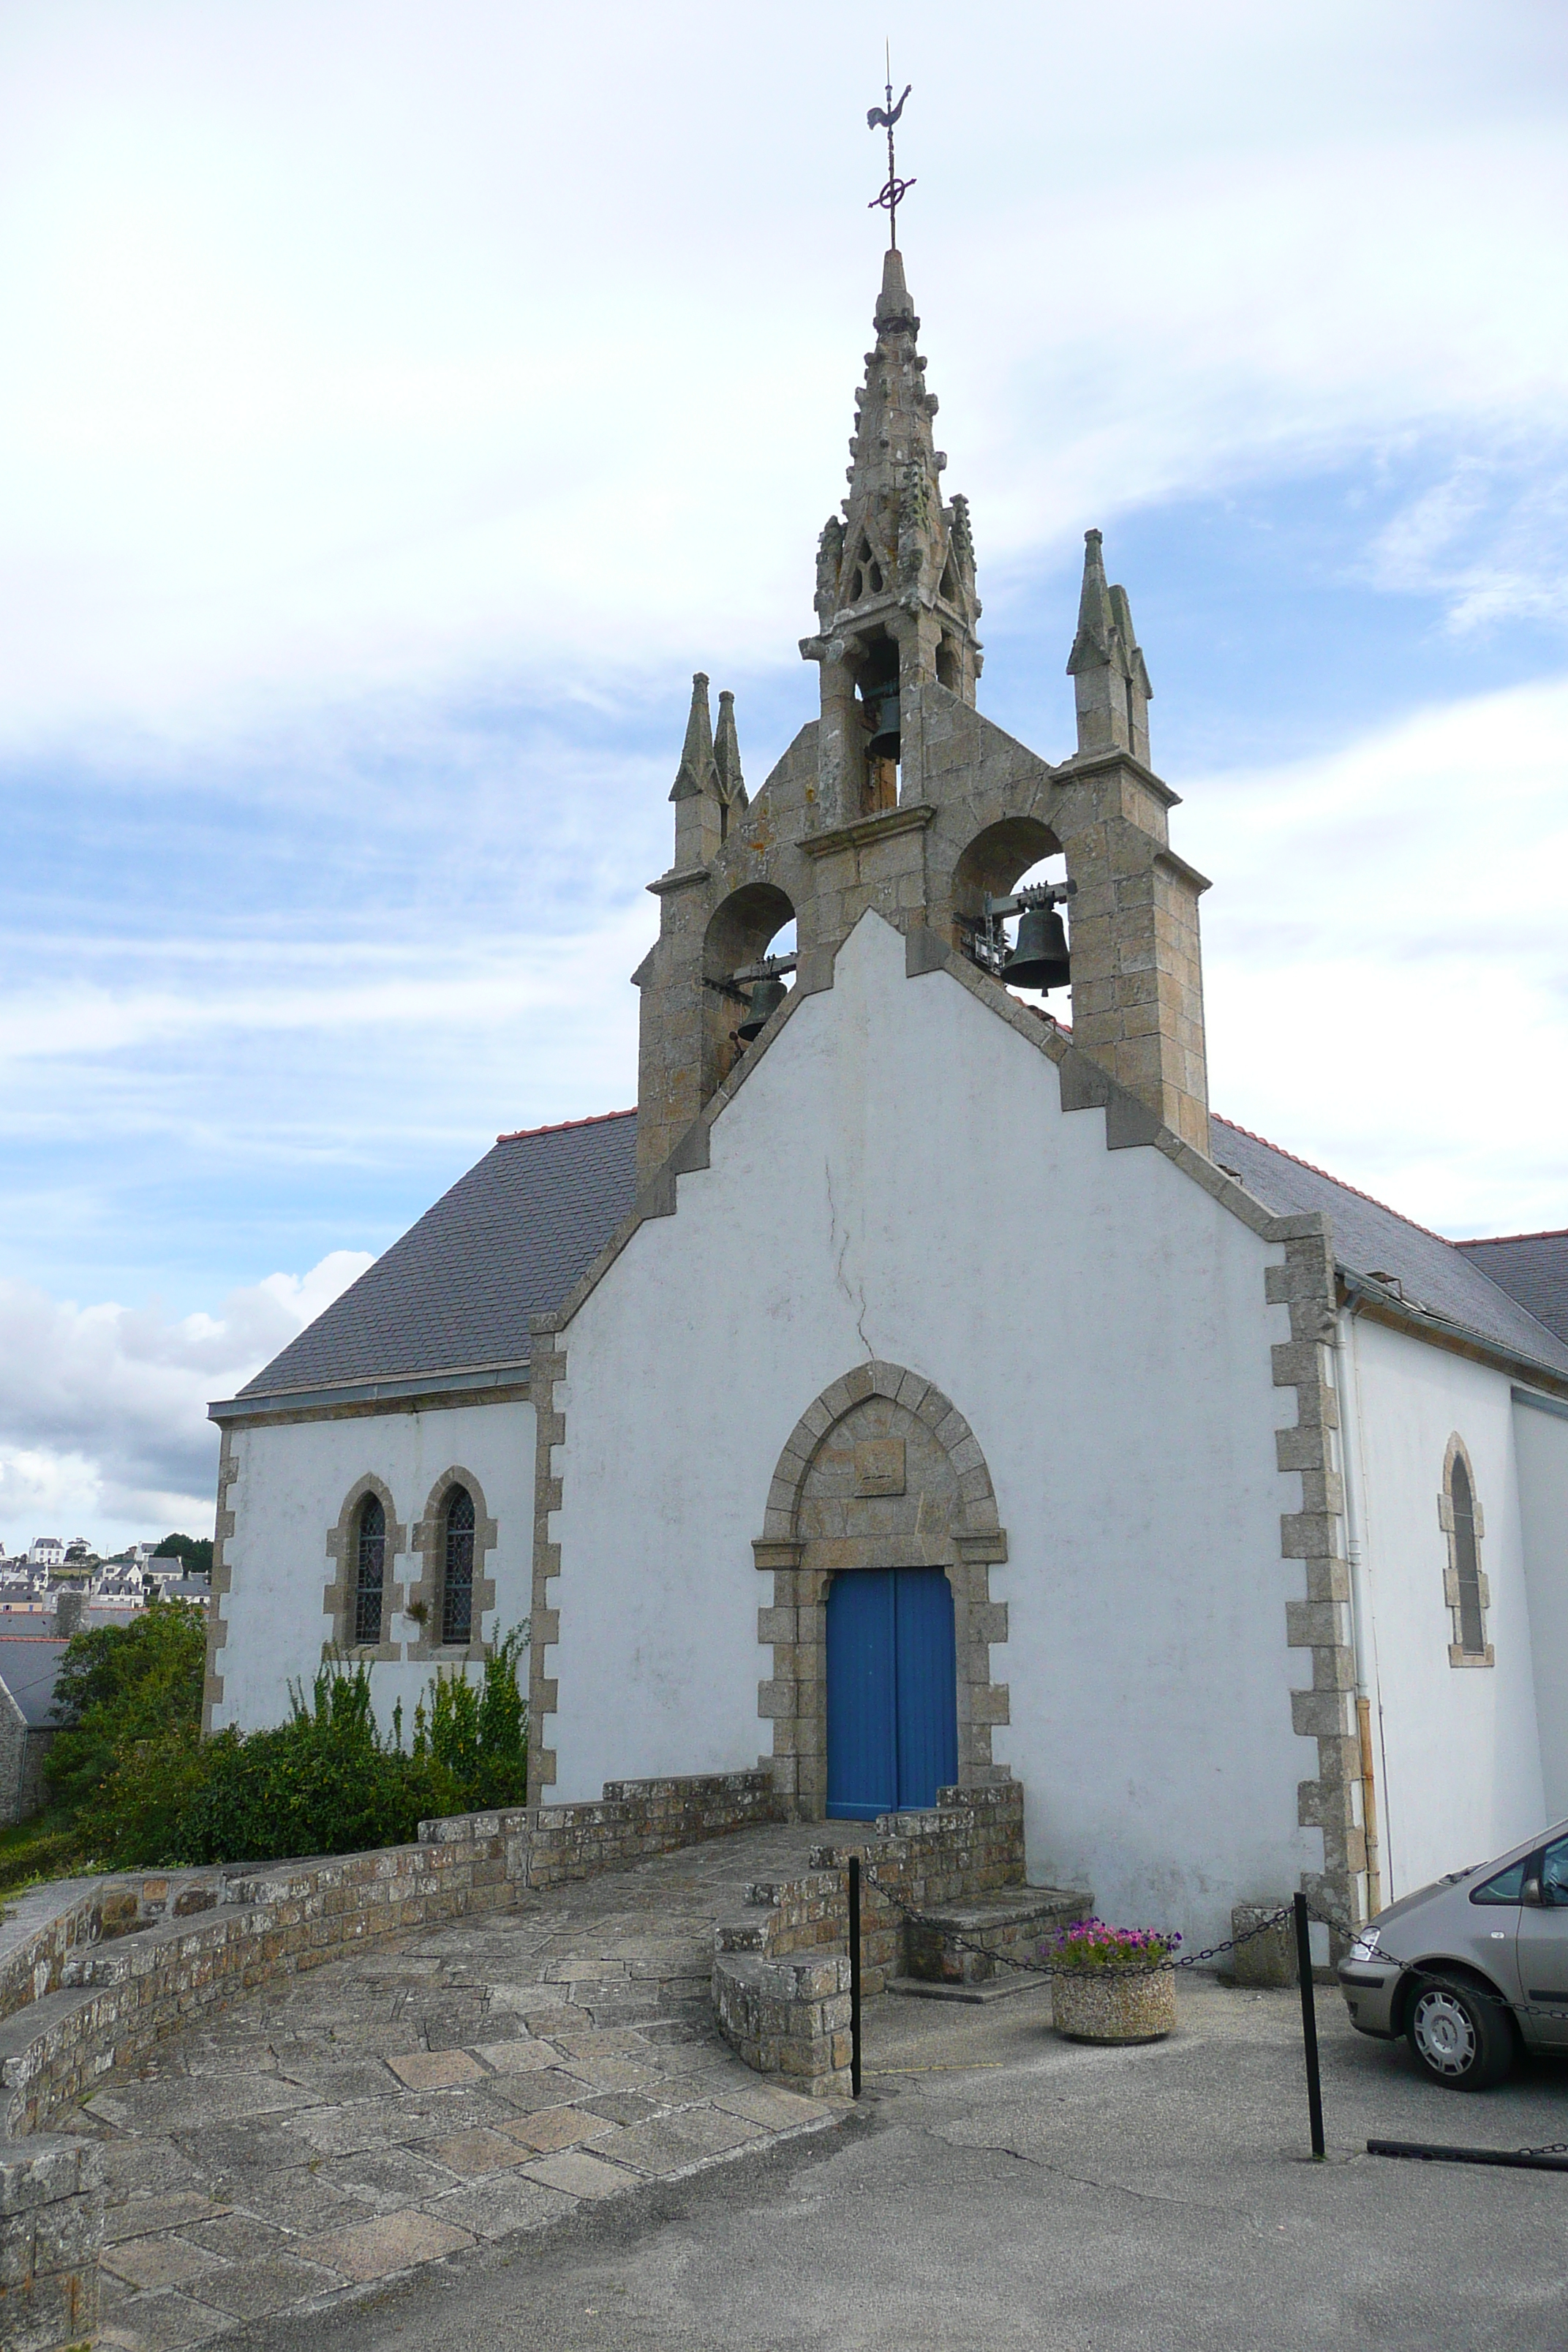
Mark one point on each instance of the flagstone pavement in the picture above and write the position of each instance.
(448, 2089)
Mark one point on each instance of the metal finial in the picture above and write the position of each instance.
(893, 195)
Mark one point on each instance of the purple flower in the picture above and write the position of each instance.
(1095, 1943)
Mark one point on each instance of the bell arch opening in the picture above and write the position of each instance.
(877, 703)
(751, 924)
(1027, 951)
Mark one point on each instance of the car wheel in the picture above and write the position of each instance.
(1461, 2036)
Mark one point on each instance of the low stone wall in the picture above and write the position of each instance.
(638, 1818)
(789, 2017)
(782, 1999)
(138, 1958)
(135, 1957)
(51, 2228)
(298, 1913)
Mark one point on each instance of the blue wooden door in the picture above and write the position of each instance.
(925, 1665)
(892, 1692)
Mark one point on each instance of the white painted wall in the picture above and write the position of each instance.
(896, 1179)
(286, 1498)
(1541, 1450)
(1463, 1761)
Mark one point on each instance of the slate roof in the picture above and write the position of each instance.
(455, 1294)
(28, 1664)
(513, 1235)
(1532, 1268)
(1436, 1274)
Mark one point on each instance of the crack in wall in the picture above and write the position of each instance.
(838, 1275)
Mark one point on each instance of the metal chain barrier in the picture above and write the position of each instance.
(1553, 2156)
(1047, 1969)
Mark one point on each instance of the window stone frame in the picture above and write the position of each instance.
(429, 1547)
(803, 1564)
(338, 1600)
(1458, 1451)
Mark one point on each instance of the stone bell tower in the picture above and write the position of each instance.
(902, 797)
(895, 573)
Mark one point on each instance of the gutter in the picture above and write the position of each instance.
(1430, 1325)
(417, 1385)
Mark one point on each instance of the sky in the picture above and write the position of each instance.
(399, 404)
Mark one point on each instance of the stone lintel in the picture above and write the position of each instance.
(1093, 763)
(912, 818)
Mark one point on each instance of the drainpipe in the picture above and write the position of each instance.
(1361, 1637)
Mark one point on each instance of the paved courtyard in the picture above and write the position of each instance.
(1000, 2190)
(434, 2095)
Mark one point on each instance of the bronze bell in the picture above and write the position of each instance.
(767, 995)
(882, 701)
(1040, 958)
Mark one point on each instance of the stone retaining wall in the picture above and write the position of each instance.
(638, 1818)
(51, 2228)
(782, 1999)
(136, 1958)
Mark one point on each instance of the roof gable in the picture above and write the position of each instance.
(455, 1292)
(532, 1228)
(1371, 1240)
(1532, 1268)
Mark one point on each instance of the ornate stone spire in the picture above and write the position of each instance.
(699, 801)
(895, 569)
(1106, 664)
(727, 755)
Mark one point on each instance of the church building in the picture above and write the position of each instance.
(922, 1387)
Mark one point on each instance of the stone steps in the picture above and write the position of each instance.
(942, 1948)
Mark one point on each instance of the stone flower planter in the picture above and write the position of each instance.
(1114, 2005)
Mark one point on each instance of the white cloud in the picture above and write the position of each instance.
(103, 1409)
(1386, 963)
(356, 348)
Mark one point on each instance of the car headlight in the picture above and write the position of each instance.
(1366, 1946)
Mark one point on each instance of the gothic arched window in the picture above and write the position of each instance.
(457, 1568)
(1465, 1586)
(1466, 1560)
(369, 1571)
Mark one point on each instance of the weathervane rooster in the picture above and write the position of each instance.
(893, 195)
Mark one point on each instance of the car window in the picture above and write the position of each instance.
(1554, 1873)
(1506, 1887)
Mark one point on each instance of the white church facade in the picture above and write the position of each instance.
(922, 1386)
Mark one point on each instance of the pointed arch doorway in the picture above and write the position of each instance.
(892, 1691)
(881, 1478)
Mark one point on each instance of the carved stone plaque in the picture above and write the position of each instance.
(880, 1465)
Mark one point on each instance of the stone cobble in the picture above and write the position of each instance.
(440, 2090)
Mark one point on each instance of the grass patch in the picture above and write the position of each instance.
(46, 1847)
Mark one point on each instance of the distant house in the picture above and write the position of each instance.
(47, 1551)
(29, 1664)
(189, 1588)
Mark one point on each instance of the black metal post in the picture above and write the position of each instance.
(1308, 2023)
(855, 1974)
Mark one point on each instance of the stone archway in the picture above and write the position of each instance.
(883, 1470)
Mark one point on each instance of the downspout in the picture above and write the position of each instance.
(1361, 1620)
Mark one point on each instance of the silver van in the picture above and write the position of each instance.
(1470, 1969)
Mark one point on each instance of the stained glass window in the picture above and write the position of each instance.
(370, 1578)
(1467, 1561)
(458, 1582)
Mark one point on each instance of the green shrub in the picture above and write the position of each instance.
(121, 1685)
(327, 1781)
